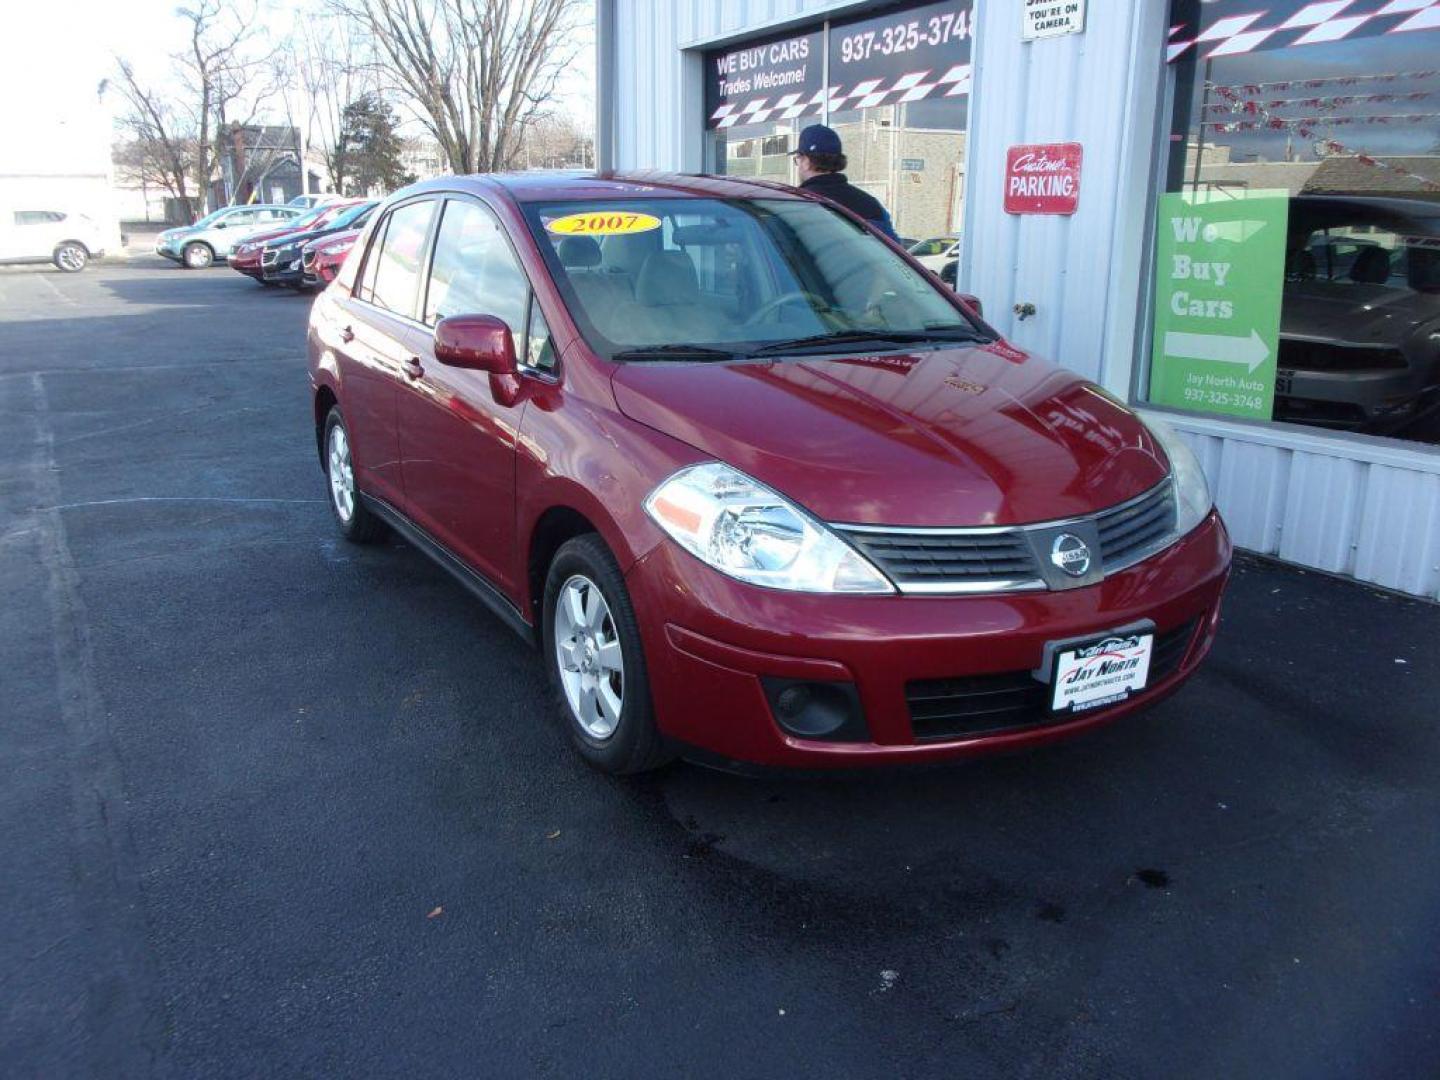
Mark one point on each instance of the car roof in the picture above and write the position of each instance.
(543, 186)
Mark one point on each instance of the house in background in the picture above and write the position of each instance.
(262, 163)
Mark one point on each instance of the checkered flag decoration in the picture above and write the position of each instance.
(1311, 24)
(866, 94)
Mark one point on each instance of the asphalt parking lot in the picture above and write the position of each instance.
(275, 806)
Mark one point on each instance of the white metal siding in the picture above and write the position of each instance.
(1371, 509)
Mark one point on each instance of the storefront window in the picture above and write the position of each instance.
(1298, 236)
(897, 94)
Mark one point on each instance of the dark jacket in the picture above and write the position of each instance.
(836, 188)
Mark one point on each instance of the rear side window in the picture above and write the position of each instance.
(398, 262)
(475, 271)
(37, 217)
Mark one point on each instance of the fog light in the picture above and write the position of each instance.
(817, 710)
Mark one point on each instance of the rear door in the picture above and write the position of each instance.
(379, 332)
(456, 440)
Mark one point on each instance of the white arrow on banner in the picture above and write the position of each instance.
(1250, 351)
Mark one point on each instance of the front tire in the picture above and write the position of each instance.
(197, 256)
(357, 524)
(594, 661)
(71, 257)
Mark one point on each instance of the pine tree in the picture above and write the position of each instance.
(366, 158)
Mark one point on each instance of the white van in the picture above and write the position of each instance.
(68, 240)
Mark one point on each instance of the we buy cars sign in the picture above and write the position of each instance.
(1043, 178)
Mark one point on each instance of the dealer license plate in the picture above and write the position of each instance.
(1101, 672)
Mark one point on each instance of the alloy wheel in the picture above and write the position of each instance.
(591, 661)
(342, 475)
(70, 258)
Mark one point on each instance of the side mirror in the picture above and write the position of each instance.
(477, 342)
(971, 301)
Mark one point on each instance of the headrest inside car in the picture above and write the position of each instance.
(667, 278)
(578, 251)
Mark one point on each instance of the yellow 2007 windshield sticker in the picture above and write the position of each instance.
(603, 223)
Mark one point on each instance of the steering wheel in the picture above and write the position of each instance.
(770, 307)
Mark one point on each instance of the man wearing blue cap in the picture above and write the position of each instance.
(821, 163)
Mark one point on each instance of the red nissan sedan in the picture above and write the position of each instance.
(758, 486)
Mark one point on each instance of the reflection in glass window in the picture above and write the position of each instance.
(397, 266)
(474, 271)
(1349, 129)
(898, 96)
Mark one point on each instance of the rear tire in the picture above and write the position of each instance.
(71, 257)
(594, 661)
(357, 524)
(197, 256)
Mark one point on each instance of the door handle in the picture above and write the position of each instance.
(347, 334)
(413, 367)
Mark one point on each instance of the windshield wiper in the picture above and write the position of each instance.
(850, 337)
(677, 351)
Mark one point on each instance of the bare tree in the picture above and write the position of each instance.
(221, 79)
(158, 146)
(223, 68)
(326, 63)
(477, 71)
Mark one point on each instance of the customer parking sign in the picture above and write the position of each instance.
(1219, 271)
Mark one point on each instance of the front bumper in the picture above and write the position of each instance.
(712, 642)
(1359, 400)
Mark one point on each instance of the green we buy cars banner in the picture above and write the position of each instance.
(1219, 272)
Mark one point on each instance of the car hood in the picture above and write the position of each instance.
(266, 235)
(978, 435)
(321, 239)
(1355, 312)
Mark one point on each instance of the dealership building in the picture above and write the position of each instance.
(1225, 212)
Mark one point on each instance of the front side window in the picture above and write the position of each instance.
(737, 276)
(474, 271)
(1297, 268)
(539, 349)
(400, 258)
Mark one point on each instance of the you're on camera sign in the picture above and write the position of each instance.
(1051, 18)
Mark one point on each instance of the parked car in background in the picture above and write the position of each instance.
(211, 238)
(1360, 318)
(309, 202)
(54, 236)
(935, 252)
(755, 484)
(282, 260)
(321, 260)
(247, 255)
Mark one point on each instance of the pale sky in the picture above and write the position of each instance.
(54, 53)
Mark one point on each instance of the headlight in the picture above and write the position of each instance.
(1192, 491)
(745, 530)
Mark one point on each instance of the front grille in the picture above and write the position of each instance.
(937, 558)
(970, 705)
(268, 258)
(1131, 529)
(1322, 356)
(996, 559)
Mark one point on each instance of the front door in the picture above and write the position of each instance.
(378, 341)
(457, 443)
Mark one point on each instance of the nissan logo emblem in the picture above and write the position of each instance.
(1070, 554)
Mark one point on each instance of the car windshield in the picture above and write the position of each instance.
(351, 216)
(705, 279)
(306, 219)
